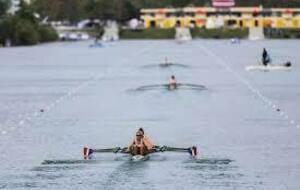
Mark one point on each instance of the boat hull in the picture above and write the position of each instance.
(139, 158)
(267, 68)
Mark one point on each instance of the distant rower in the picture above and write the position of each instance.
(172, 83)
(265, 57)
(288, 64)
(166, 63)
(166, 60)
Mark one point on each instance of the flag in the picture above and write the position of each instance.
(223, 3)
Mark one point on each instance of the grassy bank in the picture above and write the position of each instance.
(282, 33)
(223, 33)
(152, 33)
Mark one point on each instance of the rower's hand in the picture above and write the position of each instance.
(116, 150)
(156, 148)
(163, 148)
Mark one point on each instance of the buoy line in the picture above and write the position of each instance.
(268, 102)
(26, 119)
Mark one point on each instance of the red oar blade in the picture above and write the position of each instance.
(87, 153)
(193, 151)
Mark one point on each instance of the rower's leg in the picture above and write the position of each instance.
(144, 151)
(133, 150)
(139, 151)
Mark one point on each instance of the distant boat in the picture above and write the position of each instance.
(96, 45)
(271, 67)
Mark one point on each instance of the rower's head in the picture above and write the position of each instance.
(172, 77)
(288, 64)
(141, 130)
(139, 135)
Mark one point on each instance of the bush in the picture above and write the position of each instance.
(19, 31)
(23, 28)
(47, 34)
(282, 33)
(26, 33)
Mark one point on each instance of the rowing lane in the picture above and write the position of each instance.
(276, 128)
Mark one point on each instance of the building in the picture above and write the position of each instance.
(15, 5)
(209, 17)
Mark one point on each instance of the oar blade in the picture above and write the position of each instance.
(87, 153)
(193, 151)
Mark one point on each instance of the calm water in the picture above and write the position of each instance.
(57, 98)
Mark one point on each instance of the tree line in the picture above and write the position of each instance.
(122, 10)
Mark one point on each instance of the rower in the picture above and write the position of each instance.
(172, 83)
(140, 145)
(166, 63)
(288, 64)
(265, 57)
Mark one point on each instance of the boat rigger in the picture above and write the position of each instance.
(89, 152)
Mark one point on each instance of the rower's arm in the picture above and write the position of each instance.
(129, 146)
(148, 143)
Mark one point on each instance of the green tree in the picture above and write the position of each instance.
(26, 12)
(4, 6)
(24, 28)
(71, 10)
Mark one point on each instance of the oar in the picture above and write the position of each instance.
(88, 152)
(157, 86)
(149, 87)
(192, 150)
(192, 85)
